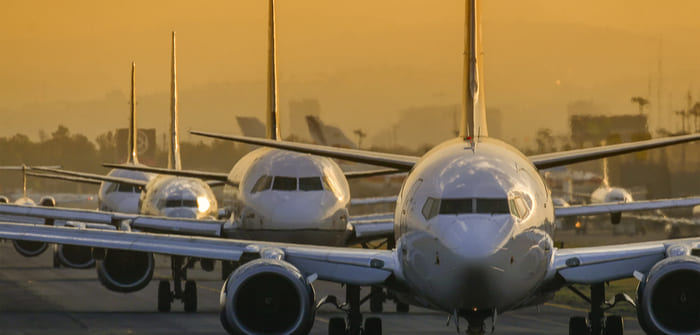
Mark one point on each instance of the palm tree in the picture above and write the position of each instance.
(641, 102)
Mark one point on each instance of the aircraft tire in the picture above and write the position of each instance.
(376, 300)
(190, 296)
(336, 326)
(164, 296)
(373, 326)
(578, 325)
(614, 325)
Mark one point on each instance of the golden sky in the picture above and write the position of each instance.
(68, 61)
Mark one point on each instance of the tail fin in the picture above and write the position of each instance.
(273, 129)
(174, 161)
(133, 133)
(24, 181)
(473, 107)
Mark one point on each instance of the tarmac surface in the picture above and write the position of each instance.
(38, 299)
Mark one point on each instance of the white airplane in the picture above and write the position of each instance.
(268, 191)
(473, 225)
(159, 196)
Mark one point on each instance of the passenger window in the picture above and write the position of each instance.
(262, 184)
(310, 184)
(431, 207)
(456, 206)
(492, 206)
(284, 184)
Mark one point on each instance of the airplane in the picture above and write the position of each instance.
(267, 192)
(473, 225)
(159, 196)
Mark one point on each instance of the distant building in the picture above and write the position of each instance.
(592, 130)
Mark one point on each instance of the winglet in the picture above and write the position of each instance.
(174, 161)
(473, 107)
(273, 129)
(133, 133)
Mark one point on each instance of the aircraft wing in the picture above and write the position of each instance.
(344, 265)
(62, 177)
(616, 207)
(554, 159)
(592, 265)
(371, 227)
(114, 219)
(93, 176)
(219, 176)
(370, 173)
(373, 200)
(399, 162)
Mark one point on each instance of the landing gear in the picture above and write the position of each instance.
(402, 307)
(227, 267)
(188, 295)
(597, 323)
(376, 299)
(352, 325)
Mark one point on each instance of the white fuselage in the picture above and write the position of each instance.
(473, 228)
(178, 197)
(288, 197)
(114, 197)
(606, 194)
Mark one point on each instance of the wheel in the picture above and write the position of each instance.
(164, 296)
(336, 326)
(402, 308)
(189, 296)
(614, 325)
(578, 326)
(373, 326)
(376, 299)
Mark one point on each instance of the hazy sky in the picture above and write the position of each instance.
(68, 61)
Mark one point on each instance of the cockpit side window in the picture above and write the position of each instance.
(262, 184)
(430, 208)
(520, 205)
(126, 188)
(310, 184)
(112, 188)
(327, 184)
(284, 184)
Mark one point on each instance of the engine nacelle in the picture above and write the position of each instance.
(74, 256)
(669, 297)
(4, 199)
(125, 271)
(267, 296)
(29, 248)
(47, 201)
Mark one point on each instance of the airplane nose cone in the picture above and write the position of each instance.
(475, 236)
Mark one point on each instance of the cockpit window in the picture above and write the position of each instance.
(431, 207)
(310, 184)
(180, 203)
(126, 188)
(328, 185)
(456, 206)
(492, 206)
(262, 184)
(520, 205)
(284, 184)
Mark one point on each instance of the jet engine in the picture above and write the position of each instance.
(47, 201)
(125, 271)
(267, 296)
(74, 256)
(4, 200)
(615, 218)
(29, 248)
(669, 297)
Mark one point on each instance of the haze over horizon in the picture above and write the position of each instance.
(68, 62)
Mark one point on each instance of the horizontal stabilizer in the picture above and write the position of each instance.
(399, 162)
(545, 161)
(617, 207)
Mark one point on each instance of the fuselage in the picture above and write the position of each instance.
(474, 227)
(114, 197)
(605, 194)
(288, 197)
(180, 197)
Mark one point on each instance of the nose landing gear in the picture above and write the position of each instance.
(352, 324)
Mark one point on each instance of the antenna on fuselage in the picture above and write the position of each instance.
(174, 161)
(473, 107)
(133, 133)
(272, 130)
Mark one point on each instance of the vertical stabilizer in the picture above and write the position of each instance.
(606, 177)
(24, 181)
(473, 108)
(174, 150)
(273, 129)
(133, 133)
